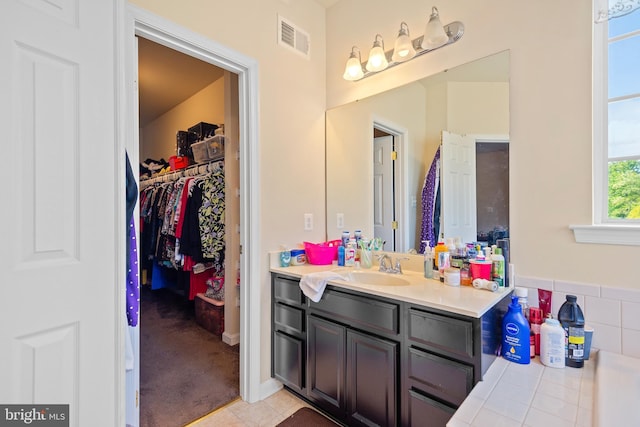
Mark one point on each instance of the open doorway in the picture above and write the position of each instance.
(189, 358)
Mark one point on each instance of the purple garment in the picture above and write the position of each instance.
(431, 184)
(133, 290)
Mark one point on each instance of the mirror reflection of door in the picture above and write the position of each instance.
(458, 184)
(475, 187)
(384, 189)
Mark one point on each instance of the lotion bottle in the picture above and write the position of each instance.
(552, 344)
(515, 335)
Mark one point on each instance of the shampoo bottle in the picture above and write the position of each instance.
(515, 334)
(497, 267)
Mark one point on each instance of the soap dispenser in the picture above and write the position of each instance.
(428, 260)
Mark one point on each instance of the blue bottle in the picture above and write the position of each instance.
(515, 335)
(340, 255)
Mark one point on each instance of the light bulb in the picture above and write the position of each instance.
(377, 58)
(403, 50)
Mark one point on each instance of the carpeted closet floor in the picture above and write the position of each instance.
(185, 371)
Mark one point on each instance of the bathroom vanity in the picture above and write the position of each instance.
(383, 355)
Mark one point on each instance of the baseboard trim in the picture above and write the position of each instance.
(268, 387)
(231, 339)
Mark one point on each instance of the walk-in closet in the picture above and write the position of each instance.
(189, 251)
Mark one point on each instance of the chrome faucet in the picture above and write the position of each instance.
(391, 268)
(397, 269)
(383, 263)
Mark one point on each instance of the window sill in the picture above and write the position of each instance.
(607, 234)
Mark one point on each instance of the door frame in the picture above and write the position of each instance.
(152, 27)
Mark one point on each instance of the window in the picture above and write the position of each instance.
(616, 103)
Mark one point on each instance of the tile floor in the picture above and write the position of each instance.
(265, 413)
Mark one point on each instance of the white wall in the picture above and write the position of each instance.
(158, 138)
(550, 110)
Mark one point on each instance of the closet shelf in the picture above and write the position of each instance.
(193, 170)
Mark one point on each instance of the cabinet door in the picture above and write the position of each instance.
(372, 393)
(326, 348)
(288, 360)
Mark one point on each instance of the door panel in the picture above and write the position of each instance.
(383, 194)
(458, 214)
(59, 288)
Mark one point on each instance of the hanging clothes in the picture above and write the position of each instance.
(183, 227)
(431, 204)
(132, 283)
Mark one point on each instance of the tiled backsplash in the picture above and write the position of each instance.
(613, 313)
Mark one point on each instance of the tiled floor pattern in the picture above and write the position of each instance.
(265, 413)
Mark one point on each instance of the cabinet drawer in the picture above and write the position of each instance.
(422, 408)
(287, 290)
(287, 317)
(360, 311)
(442, 332)
(444, 378)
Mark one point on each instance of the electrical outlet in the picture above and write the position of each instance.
(308, 222)
(340, 220)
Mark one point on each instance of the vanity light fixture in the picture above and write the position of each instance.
(353, 70)
(434, 35)
(377, 57)
(405, 49)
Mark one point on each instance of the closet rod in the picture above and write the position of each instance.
(193, 170)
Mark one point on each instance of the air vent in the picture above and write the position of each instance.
(292, 37)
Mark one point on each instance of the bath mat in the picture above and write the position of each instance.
(307, 417)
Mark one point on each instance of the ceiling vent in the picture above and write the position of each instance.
(292, 37)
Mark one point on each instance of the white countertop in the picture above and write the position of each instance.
(533, 395)
(464, 300)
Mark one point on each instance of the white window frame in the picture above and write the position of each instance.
(603, 230)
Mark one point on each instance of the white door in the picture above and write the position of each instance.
(383, 191)
(458, 185)
(59, 328)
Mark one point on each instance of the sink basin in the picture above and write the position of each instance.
(374, 278)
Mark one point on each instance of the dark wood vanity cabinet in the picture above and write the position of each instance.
(368, 360)
(354, 354)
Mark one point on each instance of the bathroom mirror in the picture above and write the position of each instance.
(369, 190)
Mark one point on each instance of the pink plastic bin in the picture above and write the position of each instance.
(321, 253)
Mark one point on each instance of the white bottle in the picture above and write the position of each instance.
(552, 344)
(523, 300)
